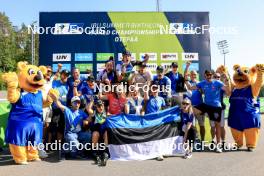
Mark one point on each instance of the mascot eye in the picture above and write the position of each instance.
(246, 71)
(31, 72)
(40, 74)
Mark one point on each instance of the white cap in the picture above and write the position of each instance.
(75, 98)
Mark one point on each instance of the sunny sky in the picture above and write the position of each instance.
(246, 46)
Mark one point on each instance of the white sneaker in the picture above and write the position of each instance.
(160, 158)
(187, 155)
(42, 154)
(219, 150)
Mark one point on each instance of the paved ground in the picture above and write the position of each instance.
(240, 163)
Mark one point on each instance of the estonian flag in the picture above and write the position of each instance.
(134, 137)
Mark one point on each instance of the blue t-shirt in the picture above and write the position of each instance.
(212, 92)
(63, 90)
(86, 92)
(74, 120)
(244, 111)
(163, 83)
(186, 118)
(70, 84)
(196, 97)
(25, 121)
(154, 104)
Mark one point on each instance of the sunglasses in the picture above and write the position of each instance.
(185, 103)
(217, 77)
(208, 75)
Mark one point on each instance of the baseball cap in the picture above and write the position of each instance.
(99, 102)
(160, 68)
(127, 53)
(90, 78)
(66, 72)
(75, 98)
(142, 64)
(174, 64)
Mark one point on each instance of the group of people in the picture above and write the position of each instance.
(78, 115)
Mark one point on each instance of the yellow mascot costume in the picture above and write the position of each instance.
(25, 122)
(244, 112)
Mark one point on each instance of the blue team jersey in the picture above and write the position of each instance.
(244, 111)
(25, 120)
(63, 90)
(154, 104)
(196, 97)
(86, 92)
(212, 92)
(163, 83)
(186, 118)
(74, 120)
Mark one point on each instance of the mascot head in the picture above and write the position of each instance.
(244, 76)
(30, 77)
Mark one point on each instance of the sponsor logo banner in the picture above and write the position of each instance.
(61, 57)
(83, 57)
(152, 56)
(152, 67)
(64, 67)
(169, 56)
(68, 28)
(103, 56)
(100, 67)
(84, 67)
(190, 56)
(193, 66)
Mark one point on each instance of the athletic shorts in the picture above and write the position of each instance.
(57, 122)
(222, 123)
(99, 128)
(214, 113)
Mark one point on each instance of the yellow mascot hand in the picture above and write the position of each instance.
(10, 79)
(53, 94)
(260, 68)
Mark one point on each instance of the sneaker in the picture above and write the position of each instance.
(250, 149)
(219, 150)
(187, 155)
(42, 154)
(98, 161)
(23, 163)
(160, 158)
(105, 158)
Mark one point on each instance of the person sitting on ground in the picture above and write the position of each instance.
(74, 118)
(187, 121)
(97, 115)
